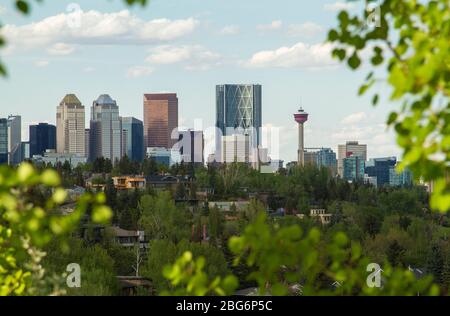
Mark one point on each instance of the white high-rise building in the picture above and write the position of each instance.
(14, 139)
(105, 129)
(235, 148)
(70, 132)
(351, 148)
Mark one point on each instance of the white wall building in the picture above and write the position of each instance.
(70, 131)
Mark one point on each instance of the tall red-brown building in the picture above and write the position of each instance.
(160, 119)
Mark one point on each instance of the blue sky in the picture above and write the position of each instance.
(187, 47)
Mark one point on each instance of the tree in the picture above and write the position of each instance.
(161, 219)
(26, 227)
(435, 263)
(395, 253)
(165, 252)
(413, 36)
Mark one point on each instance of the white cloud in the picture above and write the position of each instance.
(2, 10)
(93, 27)
(274, 25)
(60, 49)
(41, 63)
(138, 71)
(338, 6)
(88, 69)
(196, 57)
(354, 118)
(230, 30)
(306, 30)
(300, 55)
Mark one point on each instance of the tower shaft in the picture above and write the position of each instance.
(301, 145)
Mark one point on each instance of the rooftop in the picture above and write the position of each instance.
(70, 99)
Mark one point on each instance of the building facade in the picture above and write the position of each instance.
(53, 158)
(14, 139)
(238, 111)
(380, 169)
(42, 137)
(3, 141)
(133, 138)
(321, 157)
(354, 168)
(236, 148)
(191, 145)
(160, 119)
(70, 125)
(400, 179)
(351, 148)
(105, 131)
(160, 155)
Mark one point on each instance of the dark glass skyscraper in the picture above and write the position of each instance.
(42, 137)
(379, 168)
(3, 140)
(238, 106)
(133, 138)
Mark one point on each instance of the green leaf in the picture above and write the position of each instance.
(22, 6)
(354, 61)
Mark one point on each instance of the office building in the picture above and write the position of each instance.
(354, 168)
(238, 111)
(160, 119)
(309, 157)
(350, 148)
(236, 148)
(54, 158)
(105, 131)
(87, 141)
(3, 141)
(25, 149)
(400, 179)
(379, 168)
(321, 157)
(160, 155)
(133, 138)
(14, 139)
(191, 146)
(42, 138)
(70, 125)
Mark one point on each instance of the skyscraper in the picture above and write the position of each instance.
(353, 168)
(238, 111)
(380, 169)
(321, 157)
(14, 139)
(105, 129)
(42, 137)
(70, 124)
(191, 146)
(160, 119)
(236, 148)
(350, 148)
(3, 141)
(133, 138)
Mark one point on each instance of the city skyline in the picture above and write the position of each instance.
(205, 51)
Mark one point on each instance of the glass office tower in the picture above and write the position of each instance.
(42, 137)
(133, 143)
(238, 111)
(3, 141)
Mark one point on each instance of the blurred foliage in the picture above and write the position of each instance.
(28, 224)
(188, 278)
(286, 261)
(410, 39)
